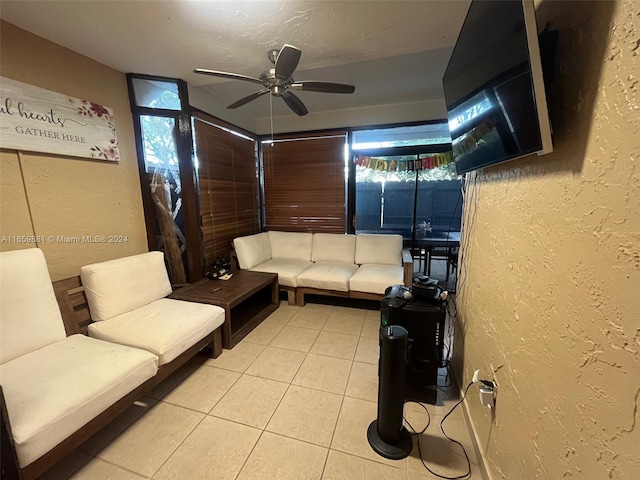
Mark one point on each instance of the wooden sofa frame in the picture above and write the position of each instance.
(76, 317)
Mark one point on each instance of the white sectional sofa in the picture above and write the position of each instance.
(357, 266)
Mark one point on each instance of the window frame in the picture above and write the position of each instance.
(184, 147)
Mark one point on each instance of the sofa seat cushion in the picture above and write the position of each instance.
(373, 278)
(286, 268)
(165, 327)
(328, 276)
(52, 392)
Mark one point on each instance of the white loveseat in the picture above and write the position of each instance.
(54, 386)
(127, 300)
(357, 266)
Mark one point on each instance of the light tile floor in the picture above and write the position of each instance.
(293, 400)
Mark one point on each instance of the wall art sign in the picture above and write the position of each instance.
(39, 120)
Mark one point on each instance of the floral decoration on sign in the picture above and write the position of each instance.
(108, 150)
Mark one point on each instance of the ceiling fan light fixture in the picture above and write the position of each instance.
(278, 90)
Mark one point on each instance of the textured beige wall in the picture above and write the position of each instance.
(549, 288)
(70, 196)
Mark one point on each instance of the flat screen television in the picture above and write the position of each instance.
(494, 88)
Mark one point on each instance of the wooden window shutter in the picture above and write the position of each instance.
(304, 184)
(228, 188)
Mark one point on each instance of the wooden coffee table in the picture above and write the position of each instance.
(247, 299)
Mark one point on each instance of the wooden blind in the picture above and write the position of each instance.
(228, 188)
(304, 184)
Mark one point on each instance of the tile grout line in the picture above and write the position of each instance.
(280, 402)
(195, 367)
(179, 445)
(122, 467)
(274, 411)
(247, 459)
(335, 427)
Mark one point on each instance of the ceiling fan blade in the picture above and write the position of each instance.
(295, 103)
(287, 61)
(324, 87)
(248, 98)
(233, 76)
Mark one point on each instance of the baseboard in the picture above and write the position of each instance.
(477, 445)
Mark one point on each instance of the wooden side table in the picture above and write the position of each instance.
(247, 298)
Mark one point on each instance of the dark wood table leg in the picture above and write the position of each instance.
(216, 345)
(226, 329)
(275, 292)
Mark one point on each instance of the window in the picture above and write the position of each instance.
(407, 181)
(227, 186)
(427, 134)
(156, 93)
(163, 138)
(304, 183)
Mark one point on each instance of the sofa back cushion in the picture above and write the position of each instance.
(380, 249)
(29, 314)
(333, 247)
(252, 250)
(122, 285)
(293, 245)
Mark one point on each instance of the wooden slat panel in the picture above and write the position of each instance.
(73, 305)
(228, 181)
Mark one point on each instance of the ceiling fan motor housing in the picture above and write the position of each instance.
(278, 90)
(277, 86)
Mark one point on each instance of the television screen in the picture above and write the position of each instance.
(493, 86)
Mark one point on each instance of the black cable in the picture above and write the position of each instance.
(454, 211)
(428, 419)
(447, 378)
(417, 434)
(448, 339)
(450, 225)
(452, 322)
(469, 186)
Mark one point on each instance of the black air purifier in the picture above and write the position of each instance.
(387, 436)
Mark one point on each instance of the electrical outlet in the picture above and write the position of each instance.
(486, 396)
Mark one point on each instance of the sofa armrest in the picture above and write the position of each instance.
(235, 263)
(73, 305)
(407, 263)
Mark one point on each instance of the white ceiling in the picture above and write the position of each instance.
(394, 52)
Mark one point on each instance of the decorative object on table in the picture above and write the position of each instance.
(422, 228)
(221, 270)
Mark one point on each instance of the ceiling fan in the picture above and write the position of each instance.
(279, 80)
